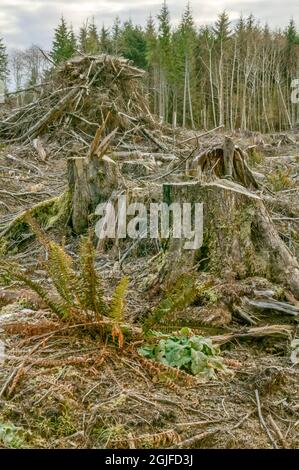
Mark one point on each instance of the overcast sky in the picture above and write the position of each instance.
(23, 22)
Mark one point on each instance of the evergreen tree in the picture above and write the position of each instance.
(250, 22)
(152, 62)
(92, 42)
(134, 44)
(222, 27)
(63, 46)
(291, 33)
(3, 60)
(83, 38)
(105, 42)
(73, 41)
(240, 27)
(164, 29)
(165, 62)
(184, 42)
(151, 42)
(116, 37)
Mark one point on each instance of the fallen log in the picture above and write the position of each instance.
(273, 331)
(136, 155)
(273, 305)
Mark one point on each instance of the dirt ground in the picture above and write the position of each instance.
(61, 387)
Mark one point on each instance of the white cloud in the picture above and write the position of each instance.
(23, 22)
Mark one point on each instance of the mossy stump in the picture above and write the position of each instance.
(239, 236)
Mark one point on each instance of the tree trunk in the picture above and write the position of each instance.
(239, 236)
(90, 181)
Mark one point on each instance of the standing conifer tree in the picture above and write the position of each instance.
(93, 42)
(105, 42)
(3, 60)
(64, 44)
(83, 38)
(165, 56)
(134, 44)
(116, 37)
(152, 60)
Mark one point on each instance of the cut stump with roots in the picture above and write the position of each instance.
(239, 236)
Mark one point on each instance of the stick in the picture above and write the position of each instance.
(153, 139)
(202, 135)
(262, 421)
(277, 431)
(193, 440)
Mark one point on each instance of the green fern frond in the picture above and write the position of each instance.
(117, 305)
(12, 271)
(37, 230)
(91, 289)
(182, 293)
(60, 269)
(59, 265)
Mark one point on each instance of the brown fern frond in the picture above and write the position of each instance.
(23, 328)
(164, 372)
(19, 375)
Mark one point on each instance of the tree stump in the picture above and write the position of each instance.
(238, 236)
(223, 161)
(90, 181)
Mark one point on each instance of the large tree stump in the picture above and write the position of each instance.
(223, 161)
(90, 181)
(238, 236)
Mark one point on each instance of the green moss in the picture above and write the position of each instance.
(12, 437)
(57, 423)
(102, 434)
(207, 293)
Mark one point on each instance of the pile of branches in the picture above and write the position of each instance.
(78, 95)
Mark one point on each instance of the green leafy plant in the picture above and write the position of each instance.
(185, 351)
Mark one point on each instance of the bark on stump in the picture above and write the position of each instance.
(90, 181)
(239, 236)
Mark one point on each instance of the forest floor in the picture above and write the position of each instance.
(60, 387)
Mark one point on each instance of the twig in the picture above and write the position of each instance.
(202, 135)
(193, 440)
(277, 431)
(46, 56)
(262, 421)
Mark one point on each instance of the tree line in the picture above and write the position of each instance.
(236, 75)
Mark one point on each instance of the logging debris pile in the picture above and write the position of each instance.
(78, 95)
